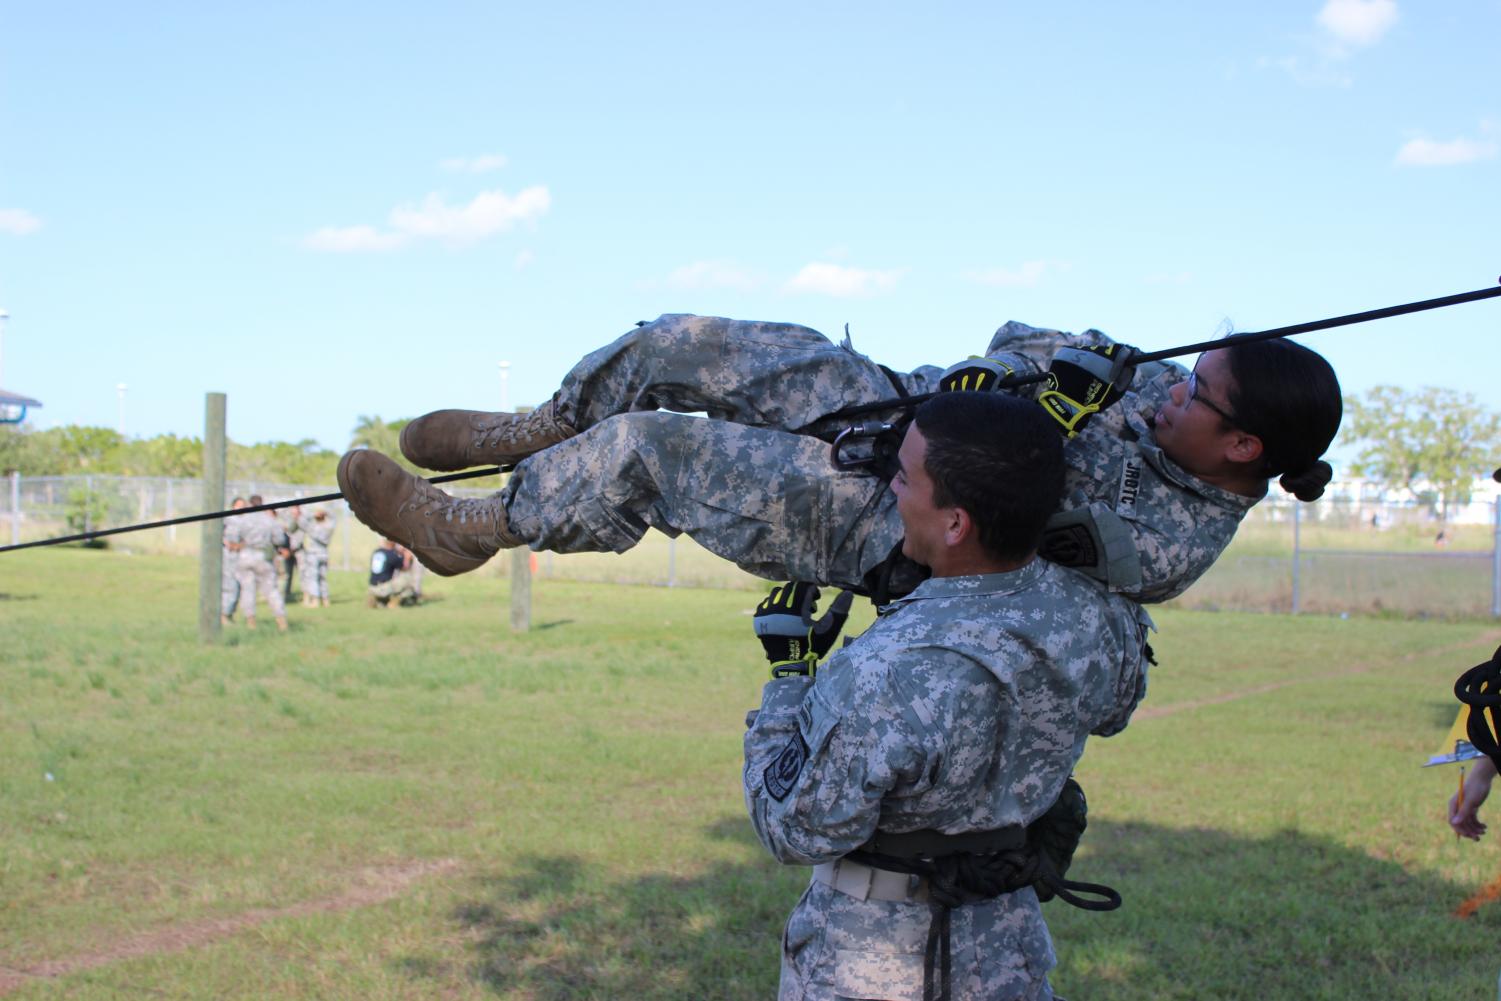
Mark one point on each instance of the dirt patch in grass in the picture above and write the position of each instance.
(373, 885)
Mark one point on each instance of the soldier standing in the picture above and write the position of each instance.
(257, 539)
(229, 583)
(286, 563)
(927, 746)
(317, 532)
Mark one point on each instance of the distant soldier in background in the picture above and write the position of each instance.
(286, 563)
(317, 530)
(257, 539)
(229, 584)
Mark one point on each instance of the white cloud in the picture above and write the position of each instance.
(524, 258)
(482, 164)
(713, 274)
(18, 222)
(1358, 22)
(1428, 153)
(842, 282)
(1027, 276)
(351, 239)
(488, 213)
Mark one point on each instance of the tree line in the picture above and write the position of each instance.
(75, 450)
(1434, 443)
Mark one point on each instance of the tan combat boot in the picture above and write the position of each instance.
(447, 534)
(458, 439)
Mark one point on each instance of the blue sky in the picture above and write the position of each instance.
(364, 208)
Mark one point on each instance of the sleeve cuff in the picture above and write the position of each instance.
(783, 696)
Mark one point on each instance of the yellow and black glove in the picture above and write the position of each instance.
(974, 373)
(793, 641)
(1083, 381)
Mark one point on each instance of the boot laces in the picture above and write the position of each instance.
(435, 503)
(514, 429)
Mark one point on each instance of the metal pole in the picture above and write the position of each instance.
(1496, 561)
(672, 562)
(1297, 556)
(171, 529)
(15, 507)
(211, 545)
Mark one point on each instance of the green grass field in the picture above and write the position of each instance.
(418, 803)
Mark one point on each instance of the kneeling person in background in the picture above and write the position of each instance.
(390, 576)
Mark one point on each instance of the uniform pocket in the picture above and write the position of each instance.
(887, 976)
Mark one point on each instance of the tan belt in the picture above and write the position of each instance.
(866, 883)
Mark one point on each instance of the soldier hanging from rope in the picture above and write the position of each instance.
(1156, 483)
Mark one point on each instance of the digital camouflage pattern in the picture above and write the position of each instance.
(316, 535)
(769, 501)
(964, 707)
(776, 506)
(259, 535)
(229, 585)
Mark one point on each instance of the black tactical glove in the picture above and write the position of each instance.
(784, 623)
(1083, 381)
(973, 373)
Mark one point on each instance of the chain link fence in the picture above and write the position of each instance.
(1348, 556)
(43, 507)
(1340, 555)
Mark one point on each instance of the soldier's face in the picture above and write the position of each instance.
(923, 521)
(1190, 427)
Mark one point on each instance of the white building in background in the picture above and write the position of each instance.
(1481, 510)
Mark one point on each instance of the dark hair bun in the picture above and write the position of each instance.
(1309, 484)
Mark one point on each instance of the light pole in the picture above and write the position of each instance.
(3, 317)
(505, 386)
(120, 390)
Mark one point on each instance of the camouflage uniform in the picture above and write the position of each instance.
(963, 708)
(746, 489)
(229, 585)
(316, 535)
(285, 565)
(259, 536)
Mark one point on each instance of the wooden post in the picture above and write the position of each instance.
(211, 547)
(521, 563)
(521, 589)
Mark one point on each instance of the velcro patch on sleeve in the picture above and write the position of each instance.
(781, 775)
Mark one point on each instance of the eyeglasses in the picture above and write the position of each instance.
(1193, 394)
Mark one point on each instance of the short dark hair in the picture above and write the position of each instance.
(255, 500)
(1288, 396)
(1000, 458)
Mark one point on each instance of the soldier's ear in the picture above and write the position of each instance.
(959, 526)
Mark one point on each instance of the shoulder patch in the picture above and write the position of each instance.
(782, 773)
(1125, 501)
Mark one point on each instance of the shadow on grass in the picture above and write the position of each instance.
(4, 596)
(1206, 915)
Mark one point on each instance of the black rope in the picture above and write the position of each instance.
(211, 515)
(1250, 337)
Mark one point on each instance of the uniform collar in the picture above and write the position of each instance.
(976, 585)
(1139, 425)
